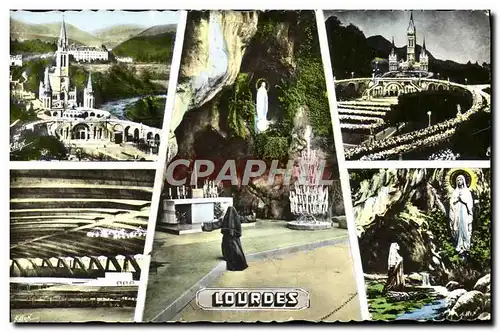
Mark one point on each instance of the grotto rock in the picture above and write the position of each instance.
(468, 306)
(483, 284)
(453, 296)
(452, 285)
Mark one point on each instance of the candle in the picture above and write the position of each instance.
(195, 177)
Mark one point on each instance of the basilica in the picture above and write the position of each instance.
(55, 91)
(411, 62)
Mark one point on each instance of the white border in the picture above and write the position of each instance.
(343, 173)
(384, 164)
(159, 178)
(124, 165)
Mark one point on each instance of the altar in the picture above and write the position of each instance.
(197, 210)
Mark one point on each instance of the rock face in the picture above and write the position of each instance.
(393, 205)
(452, 298)
(215, 43)
(468, 306)
(221, 48)
(483, 284)
(452, 285)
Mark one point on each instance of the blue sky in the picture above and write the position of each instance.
(94, 20)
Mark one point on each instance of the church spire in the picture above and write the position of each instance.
(89, 83)
(46, 80)
(411, 25)
(423, 44)
(63, 39)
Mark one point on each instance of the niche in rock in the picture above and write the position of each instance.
(376, 241)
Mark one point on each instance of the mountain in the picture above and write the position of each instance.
(117, 34)
(50, 32)
(149, 47)
(382, 48)
(158, 29)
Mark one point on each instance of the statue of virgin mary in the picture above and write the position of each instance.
(261, 122)
(395, 273)
(461, 205)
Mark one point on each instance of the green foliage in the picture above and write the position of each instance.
(308, 86)
(37, 145)
(349, 50)
(241, 106)
(119, 82)
(31, 46)
(35, 71)
(480, 252)
(148, 110)
(272, 145)
(19, 112)
(473, 137)
(440, 227)
(412, 108)
(359, 176)
(382, 309)
(157, 48)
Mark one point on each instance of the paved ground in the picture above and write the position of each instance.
(73, 315)
(179, 262)
(325, 273)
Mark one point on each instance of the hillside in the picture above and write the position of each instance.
(158, 29)
(382, 48)
(146, 48)
(50, 32)
(117, 34)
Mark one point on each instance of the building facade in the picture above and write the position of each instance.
(88, 54)
(56, 91)
(411, 63)
(126, 59)
(16, 60)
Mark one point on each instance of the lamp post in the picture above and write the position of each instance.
(466, 81)
(429, 114)
(352, 74)
(439, 75)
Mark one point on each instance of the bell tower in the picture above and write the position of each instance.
(61, 75)
(88, 94)
(411, 34)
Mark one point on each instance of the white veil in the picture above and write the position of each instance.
(394, 256)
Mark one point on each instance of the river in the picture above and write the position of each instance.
(427, 312)
(119, 107)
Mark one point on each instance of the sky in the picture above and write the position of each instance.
(460, 35)
(91, 21)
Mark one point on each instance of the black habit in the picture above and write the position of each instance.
(232, 251)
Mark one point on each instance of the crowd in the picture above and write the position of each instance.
(361, 125)
(430, 136)
(445, 154)
(360, 118)
(360, 112)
